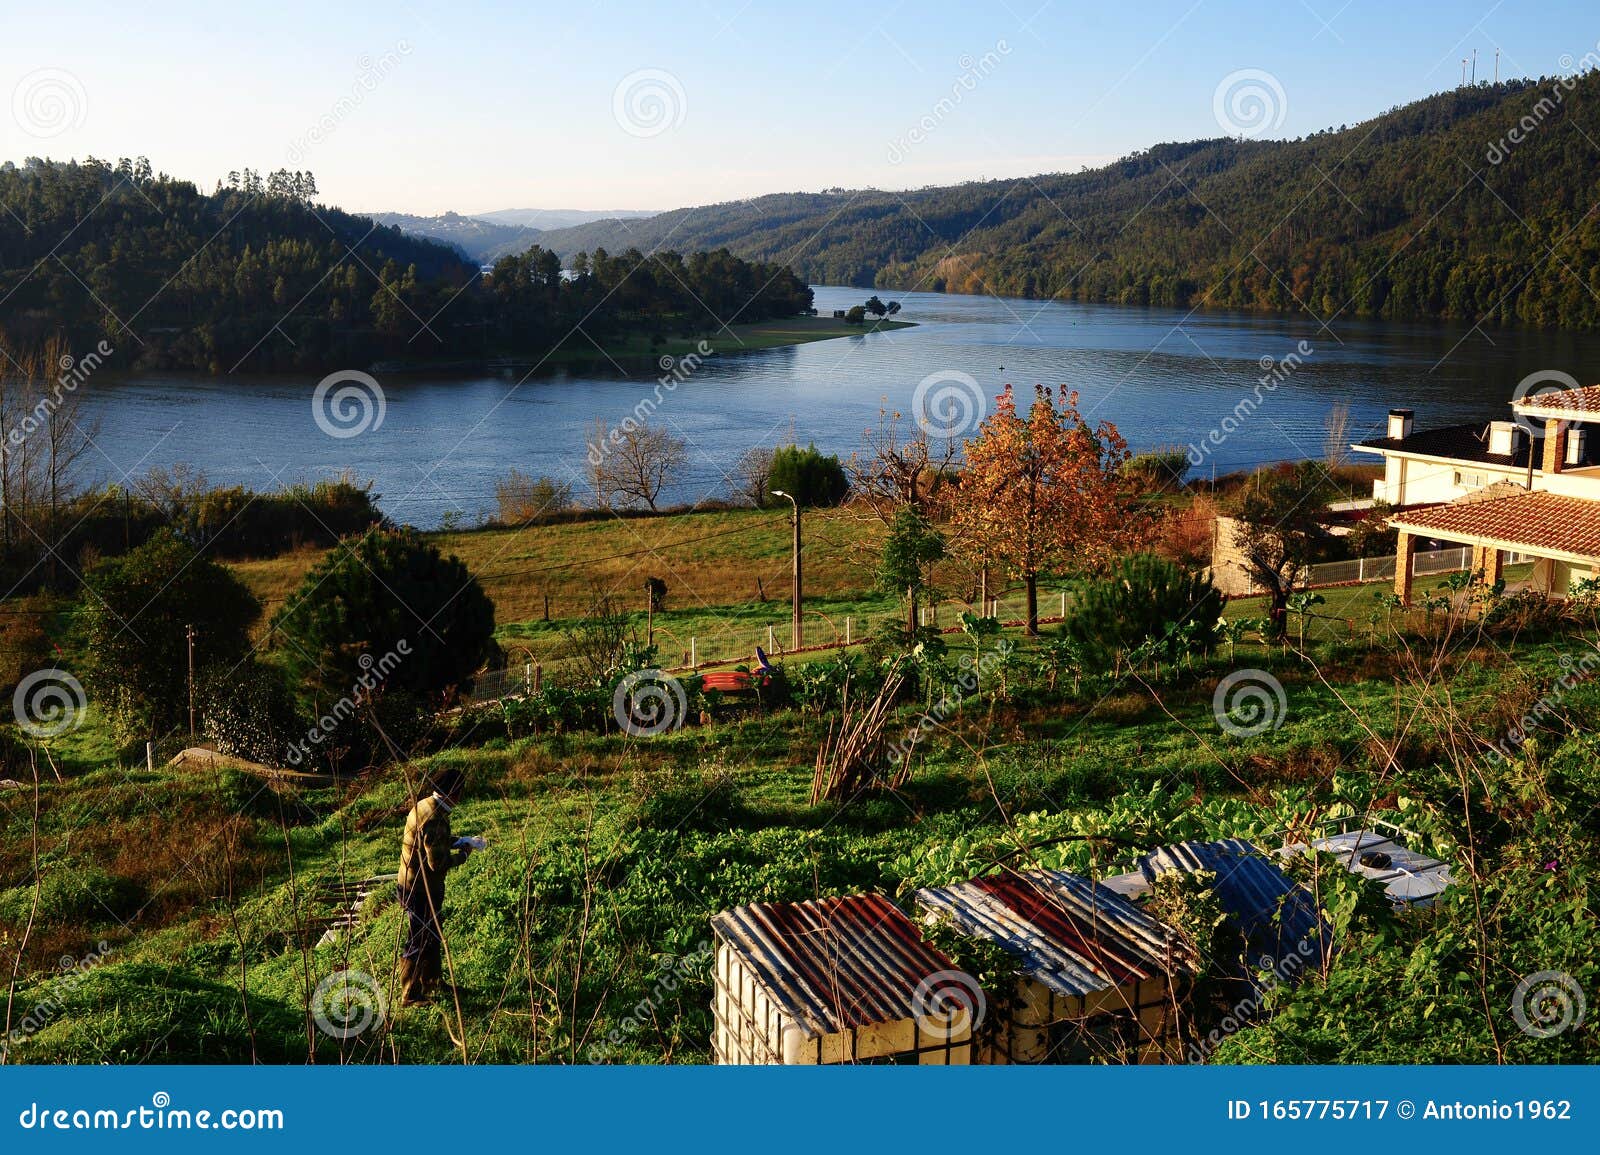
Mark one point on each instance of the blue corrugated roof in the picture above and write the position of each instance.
(1276, 916)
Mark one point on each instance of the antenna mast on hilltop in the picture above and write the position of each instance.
(1474, 66)
(1463, 72)
(1497, 66)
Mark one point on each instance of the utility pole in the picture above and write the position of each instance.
(189, 633)
(798, 636)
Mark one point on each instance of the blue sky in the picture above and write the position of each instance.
(421, 106)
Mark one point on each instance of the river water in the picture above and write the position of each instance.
(1165, 377)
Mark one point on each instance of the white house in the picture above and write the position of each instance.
(1530, 486)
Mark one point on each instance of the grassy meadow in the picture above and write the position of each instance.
(578, 936)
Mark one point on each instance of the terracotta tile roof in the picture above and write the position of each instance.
(1507, 515)
(1583, 398)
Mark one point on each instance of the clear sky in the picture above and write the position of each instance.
(418, 106)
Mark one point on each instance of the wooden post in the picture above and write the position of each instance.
(1405, 558)
(189, 633)
(799, 640)
(538, 678)
(693, 663)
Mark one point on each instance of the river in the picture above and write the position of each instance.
(1165, 377)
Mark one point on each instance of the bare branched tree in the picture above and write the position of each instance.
(900, 467)
(1337, 423)
(633, 463)
(752, 476)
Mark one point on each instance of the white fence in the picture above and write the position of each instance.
(1381, 569)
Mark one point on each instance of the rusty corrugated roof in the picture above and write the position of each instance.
(833, 964)
(1073, 935)
(1274, 914)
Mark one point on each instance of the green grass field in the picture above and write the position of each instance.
(608, 854)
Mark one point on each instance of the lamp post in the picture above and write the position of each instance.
(798, 637)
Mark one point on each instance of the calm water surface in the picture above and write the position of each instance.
(1163, 376)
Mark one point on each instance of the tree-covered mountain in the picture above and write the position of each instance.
(257, 276)
(1478, 203)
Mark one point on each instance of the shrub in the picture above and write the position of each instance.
(1159, 470)
(808, 476)
(386, 613)
(524, 500)
(1144, 599)
(250, 712)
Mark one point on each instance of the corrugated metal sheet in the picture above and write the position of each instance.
(833, 964)
(1072, 935)
(1274, 914)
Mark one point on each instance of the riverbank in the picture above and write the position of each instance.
(637, 348)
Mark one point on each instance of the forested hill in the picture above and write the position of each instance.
(258, 276)
(1447, 207)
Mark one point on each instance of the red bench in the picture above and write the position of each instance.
(727, 681)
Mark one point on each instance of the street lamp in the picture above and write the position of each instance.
(798, 639)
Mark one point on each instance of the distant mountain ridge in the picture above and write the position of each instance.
(486, 237)
(560, 218)
(474, 238)
(1438, 208)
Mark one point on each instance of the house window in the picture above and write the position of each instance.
(1469, 480)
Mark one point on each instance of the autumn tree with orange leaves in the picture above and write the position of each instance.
(1043, 492)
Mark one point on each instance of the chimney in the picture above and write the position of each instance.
(1504, 438)
(1577, 438)
(1556, 435)
(1400, 424)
